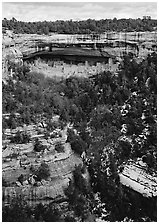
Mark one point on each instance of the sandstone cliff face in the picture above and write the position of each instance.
(135, 176)
(19, 158)
(29, 42)
(131, 36)
(61, 173)
(10, 53)
(10, 56)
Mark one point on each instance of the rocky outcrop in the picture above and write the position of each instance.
(61, 173)
(18, 159)
(11, 56)
(136, 177)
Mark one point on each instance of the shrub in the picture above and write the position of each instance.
(38, 147)
(43, 172)
(21, 178)
(20, 138)
(59, 147)
(78, 146)
(4, 183)
(71, 135)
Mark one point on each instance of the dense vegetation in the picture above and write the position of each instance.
(20, 138)
(103, 104)
(80, 27)
(20, 211)
(115, 118)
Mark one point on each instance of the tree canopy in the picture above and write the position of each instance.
(80, 27)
